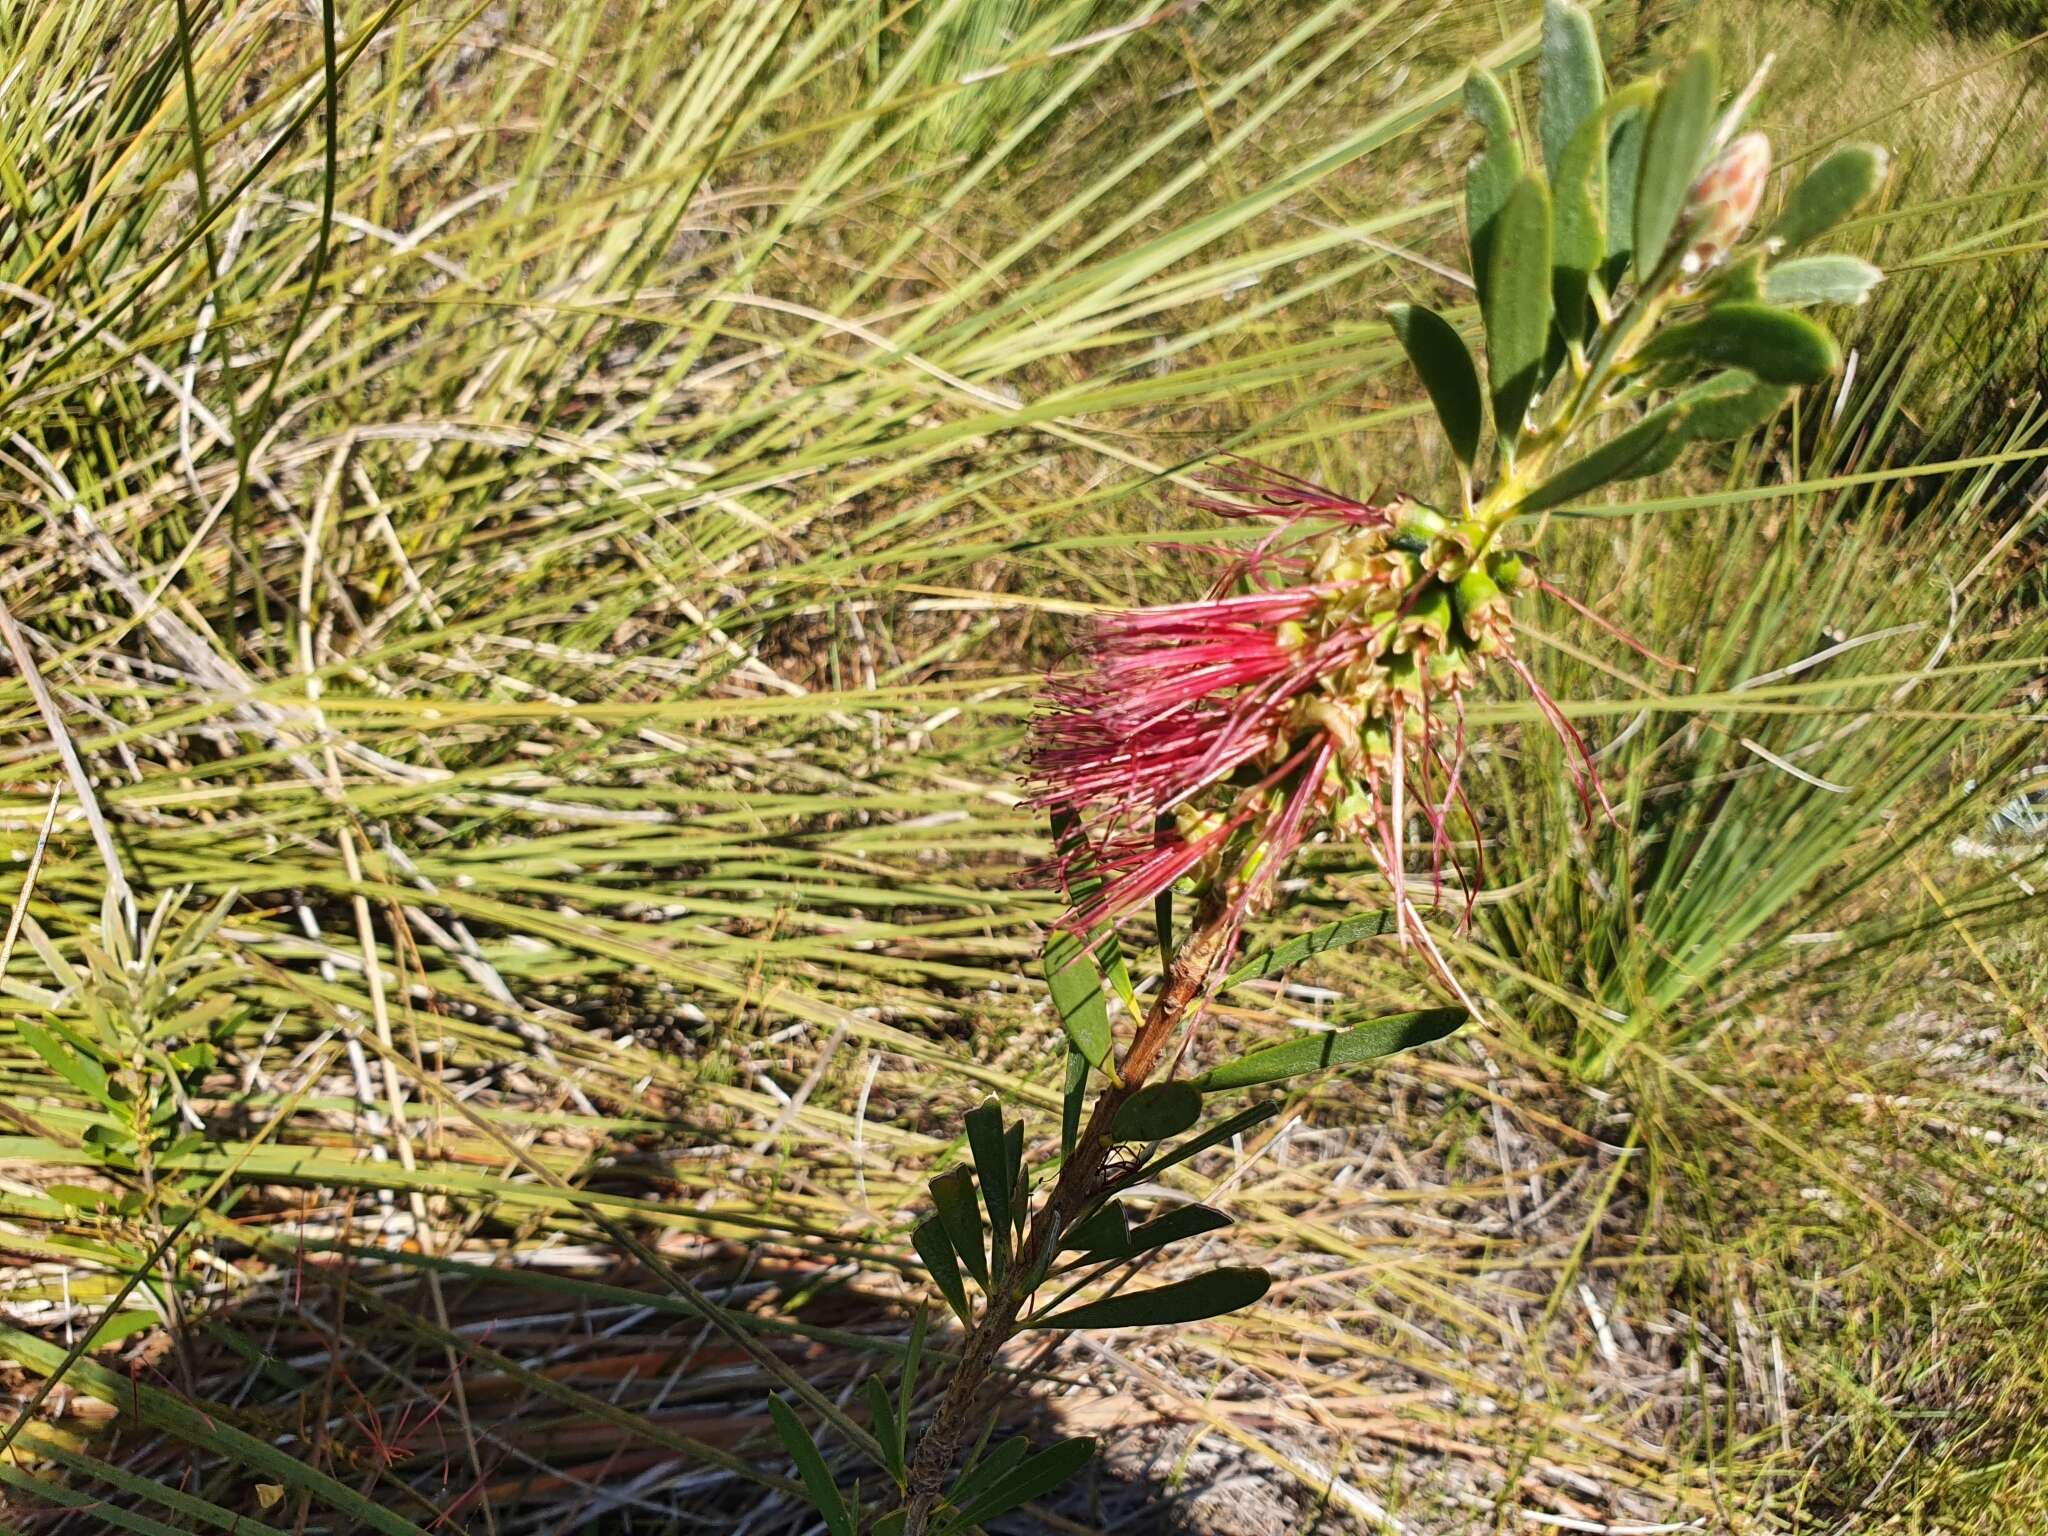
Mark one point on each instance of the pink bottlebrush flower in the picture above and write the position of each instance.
(1208, 741)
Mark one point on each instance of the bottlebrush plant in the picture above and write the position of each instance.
(1318, 689)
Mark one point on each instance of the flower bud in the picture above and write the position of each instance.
(1723, 201)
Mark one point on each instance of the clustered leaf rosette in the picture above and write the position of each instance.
(1319, 687)
(1629, 307)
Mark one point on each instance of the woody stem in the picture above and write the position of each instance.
(1080, 1183)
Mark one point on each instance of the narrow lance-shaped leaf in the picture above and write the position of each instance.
(1438, 352)
(803, 1450)
(1730, 404)
(913, 1354)
(953, 1193)
(1075, 970)
(1175, 1226)
(1626, 454)
(992, 1165)
(1828, 194)
(1517, 306)
(1345, 931)
(1674, 149)
(1162, 907)
(1107, 1233)
(934, 1246)
(1033, 1479)
(1578, 190)
(1568, 66)
(1774, 344)
(1332, 1048)
(1820, 280)
(1185, 1301)
(1624, 178)
(122, 1325)
(977, 1477)
(75, 1067)
(1077, 996)
(1156, 1112)
(1020, 1188)
(1492, 175)
(1194, 1146)
(888, 1432)
(1073, 1099)
(1045, 1254)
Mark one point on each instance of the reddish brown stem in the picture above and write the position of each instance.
(1079, 1184)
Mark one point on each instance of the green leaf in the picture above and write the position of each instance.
(935, 1247)
(1774, 344)
(953, 1193)
(1624, 177)
(75, 1067)
(1073, 1098)
(1185, 1301)
(1106, 1234)
(1035, 1478)
(1828, 194)
(1173, 1227)
(1157, 1112)
(1439, 354)
(1569, 69)
(1019, 1186)
(122, 1325)
(1627, 453)
(1517, 306)
(1077, 995)
(1730, 404)
(1215, 1136)
(82, 1197)
(1674, 152)
(888, 1432)
(913, 1353)
(1741, 279)
(1821, 280)
(803, 1450)
(1162, 904)
(1349, 930)
(1047, 1252)
(1332, 1048)
(1578, 189)
(992, 1166)
(980, 1474)
(1076, 968)
(1492, 175)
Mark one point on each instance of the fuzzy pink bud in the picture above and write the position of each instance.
(1724, 200)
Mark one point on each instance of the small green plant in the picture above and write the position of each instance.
(133, 1028)
(1319, 688)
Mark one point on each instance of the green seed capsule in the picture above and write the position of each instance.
(1403, 679)
(1428, 620)
(1508, 571)
(1450, 552)
(1450, 669)
(1482, 611)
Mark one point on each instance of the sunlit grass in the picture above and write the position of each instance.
(593, 672)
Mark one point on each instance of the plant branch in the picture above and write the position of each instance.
(1079, 1184)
